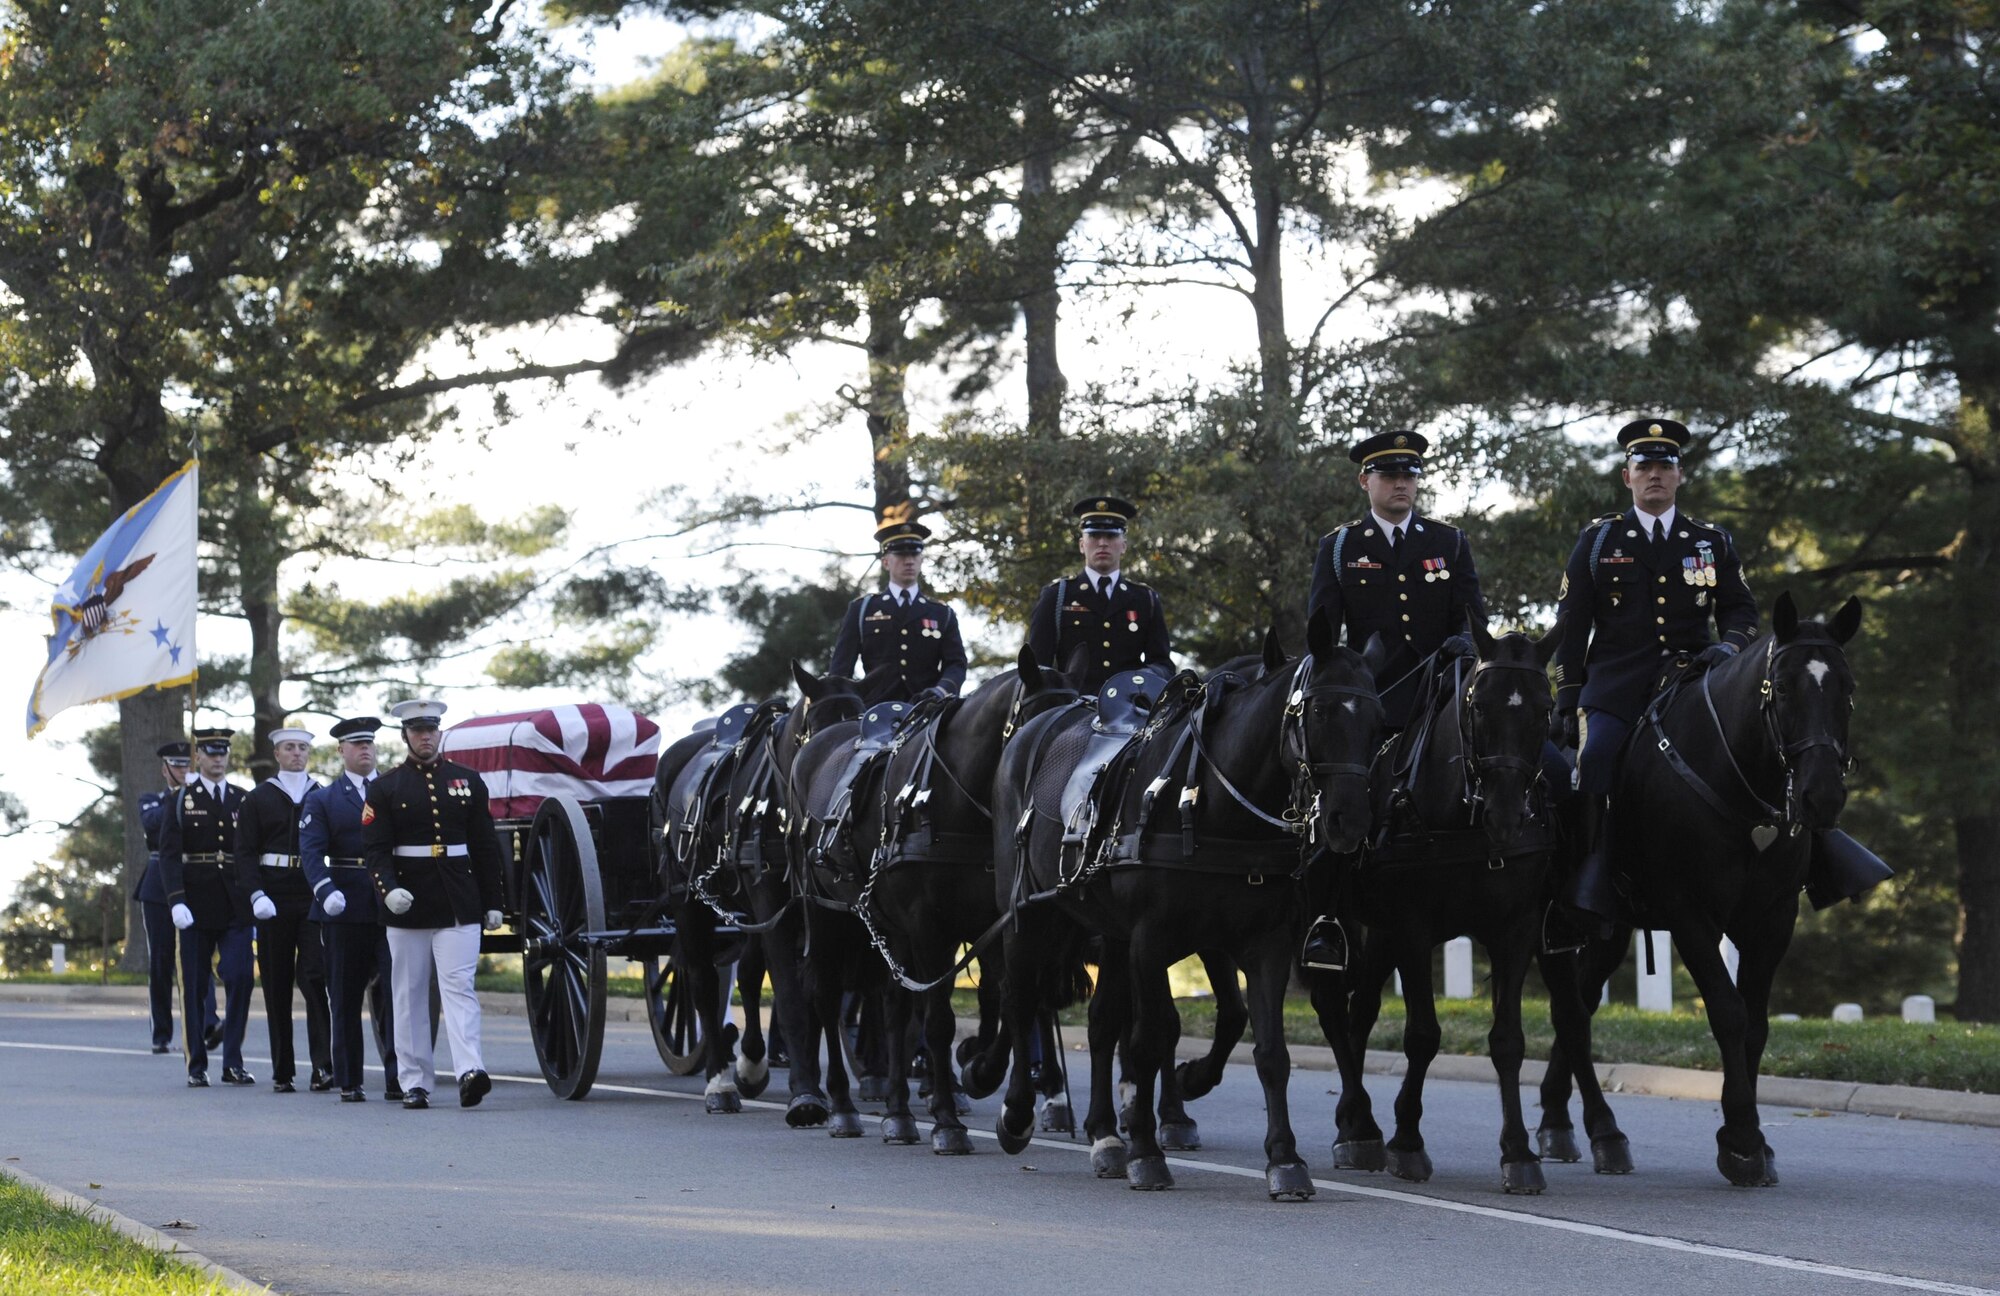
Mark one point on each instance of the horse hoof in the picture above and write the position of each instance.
(1192, 1084)
(805, 1111)
(1180, 1136)
(752, 1078)
(1758, 1170)
(1148, 1174)
(1360, 1154)
(845, 1124)
(1413, 1166)
(899, 1128)
(725, 1103)
(1611, 1154)
(1557, 1145)
(951, 1140)
(1291, 1182)
(1012, 1141)
(1108, 1158)
(1057, 1118)
(971, 1085)
(1523, 1178)
(872, 1089)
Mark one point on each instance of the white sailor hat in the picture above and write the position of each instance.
(417, 712)
(291, 735)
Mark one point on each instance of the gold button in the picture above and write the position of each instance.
(905, 661)
(1402, 578)
(1107, 662)
(1406, 616)
(1661, 599)
(1406, 637)
(1663, 580)
(1107, 643)
(906, 630)
(1659, 620)
(1404, 597)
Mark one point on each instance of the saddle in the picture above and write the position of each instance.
(878, 727)
(1122, 707)
(691, 787)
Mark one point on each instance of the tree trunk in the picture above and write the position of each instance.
(145, 721)
(1976, 724)
(889, 412)
(1043, 230)
(1267, 290)
(259, 552)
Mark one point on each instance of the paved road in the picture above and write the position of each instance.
(637, 1191)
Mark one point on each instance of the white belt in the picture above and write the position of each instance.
(430, 852)
(278, 861)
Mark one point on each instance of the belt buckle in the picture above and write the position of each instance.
(437, 849)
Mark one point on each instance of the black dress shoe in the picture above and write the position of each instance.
(472, 1086)
(353, 1095)
(212, 1037)
(394, 1093)
(197, 1080)
(282, 1086)
(321, 1081)
(237, 1075)
(159, 1048)
(416, 1100)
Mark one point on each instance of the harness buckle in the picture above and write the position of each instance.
(1664, 744)
(1256, 879)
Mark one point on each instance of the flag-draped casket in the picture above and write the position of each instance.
(590, 750)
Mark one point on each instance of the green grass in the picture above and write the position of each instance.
(50, 1250)
(1941, 1055)
(76, 978)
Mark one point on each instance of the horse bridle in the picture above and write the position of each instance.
(1302, 815)
(1787, 753)
(1476, 766)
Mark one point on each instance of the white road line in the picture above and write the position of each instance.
(1657, 1241)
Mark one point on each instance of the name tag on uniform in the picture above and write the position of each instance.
(880, 616)
(1614, 558)
(1363, 562)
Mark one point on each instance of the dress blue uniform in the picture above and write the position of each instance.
(919, 638)
(357, 945)
(288, 948)
(151, 893)
(1077, 620)
(197, 840)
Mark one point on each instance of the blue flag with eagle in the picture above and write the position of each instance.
(124, 620)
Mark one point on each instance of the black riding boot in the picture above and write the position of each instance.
(1326, 945)
(1587, 905)
(1842, 869)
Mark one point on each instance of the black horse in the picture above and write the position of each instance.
(1197, 847)
(1725, 781)
(1462, 841)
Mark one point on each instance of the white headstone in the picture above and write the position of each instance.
(1785, 1017)
(1656, 990)
(1920, 1008)
(1847, 1012)
(1399, 983)
(58, 958)
(1458, 968)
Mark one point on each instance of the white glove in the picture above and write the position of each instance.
(399, 901)
(492, 922)
(335, 903)
(264, 907)
(183, 917)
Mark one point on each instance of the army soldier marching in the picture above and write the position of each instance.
(345, 908)
(288, 948)
(1100, 617)
(901, 626)
(427, 834)
(197, 842)
(151, 893)
(1401, 575)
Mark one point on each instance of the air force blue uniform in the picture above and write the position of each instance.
(357, 945)
(154, 910)
(197, 841)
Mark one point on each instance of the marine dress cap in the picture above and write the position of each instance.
(901, 537)
(418, 713)
(1401, 452)
(357, 729)
(1656, 440)
(1104, 514)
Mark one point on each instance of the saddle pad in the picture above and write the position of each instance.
(683, 809)
(1079, 808)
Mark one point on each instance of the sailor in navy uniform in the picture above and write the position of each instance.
(197, 842)
(427, 834)
(901, 626)
(151, 893)
(344, 904)
(1100, 617)
(1404, 576)
(288, 948)
(1641, 586)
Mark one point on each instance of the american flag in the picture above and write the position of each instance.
(590, 750)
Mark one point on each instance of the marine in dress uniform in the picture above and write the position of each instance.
(1401, 575)
(1100, 617)
(901, 626)
(151, 893)
(197, 843)
(427, 834)
(1396, 573)
(1641, 586)
(288, 948)
(345, 907)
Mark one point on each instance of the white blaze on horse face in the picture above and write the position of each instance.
(1817, 669)
(1517, 699)
(1349, 704)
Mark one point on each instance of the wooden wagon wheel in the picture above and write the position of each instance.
(670, 1007)
(562, 967)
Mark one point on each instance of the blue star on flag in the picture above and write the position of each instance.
(161, 634)
(174, 653)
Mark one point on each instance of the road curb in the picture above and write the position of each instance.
(144, 1234)
(1904, 1102)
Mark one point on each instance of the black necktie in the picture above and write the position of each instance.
(1396, 542)
(1659, 530)
(902, 598)
(1104, 586)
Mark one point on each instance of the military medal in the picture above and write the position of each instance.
(930, 630)
(1434, 570)
(1132, 621)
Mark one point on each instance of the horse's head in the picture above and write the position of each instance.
(1503, 717)
(1333, 723)
(1806, 698)
(823, 700)
(1039, 688)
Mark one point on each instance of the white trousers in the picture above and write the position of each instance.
(455, 952)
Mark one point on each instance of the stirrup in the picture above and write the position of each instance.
(1325, 947)
(1560, 936)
